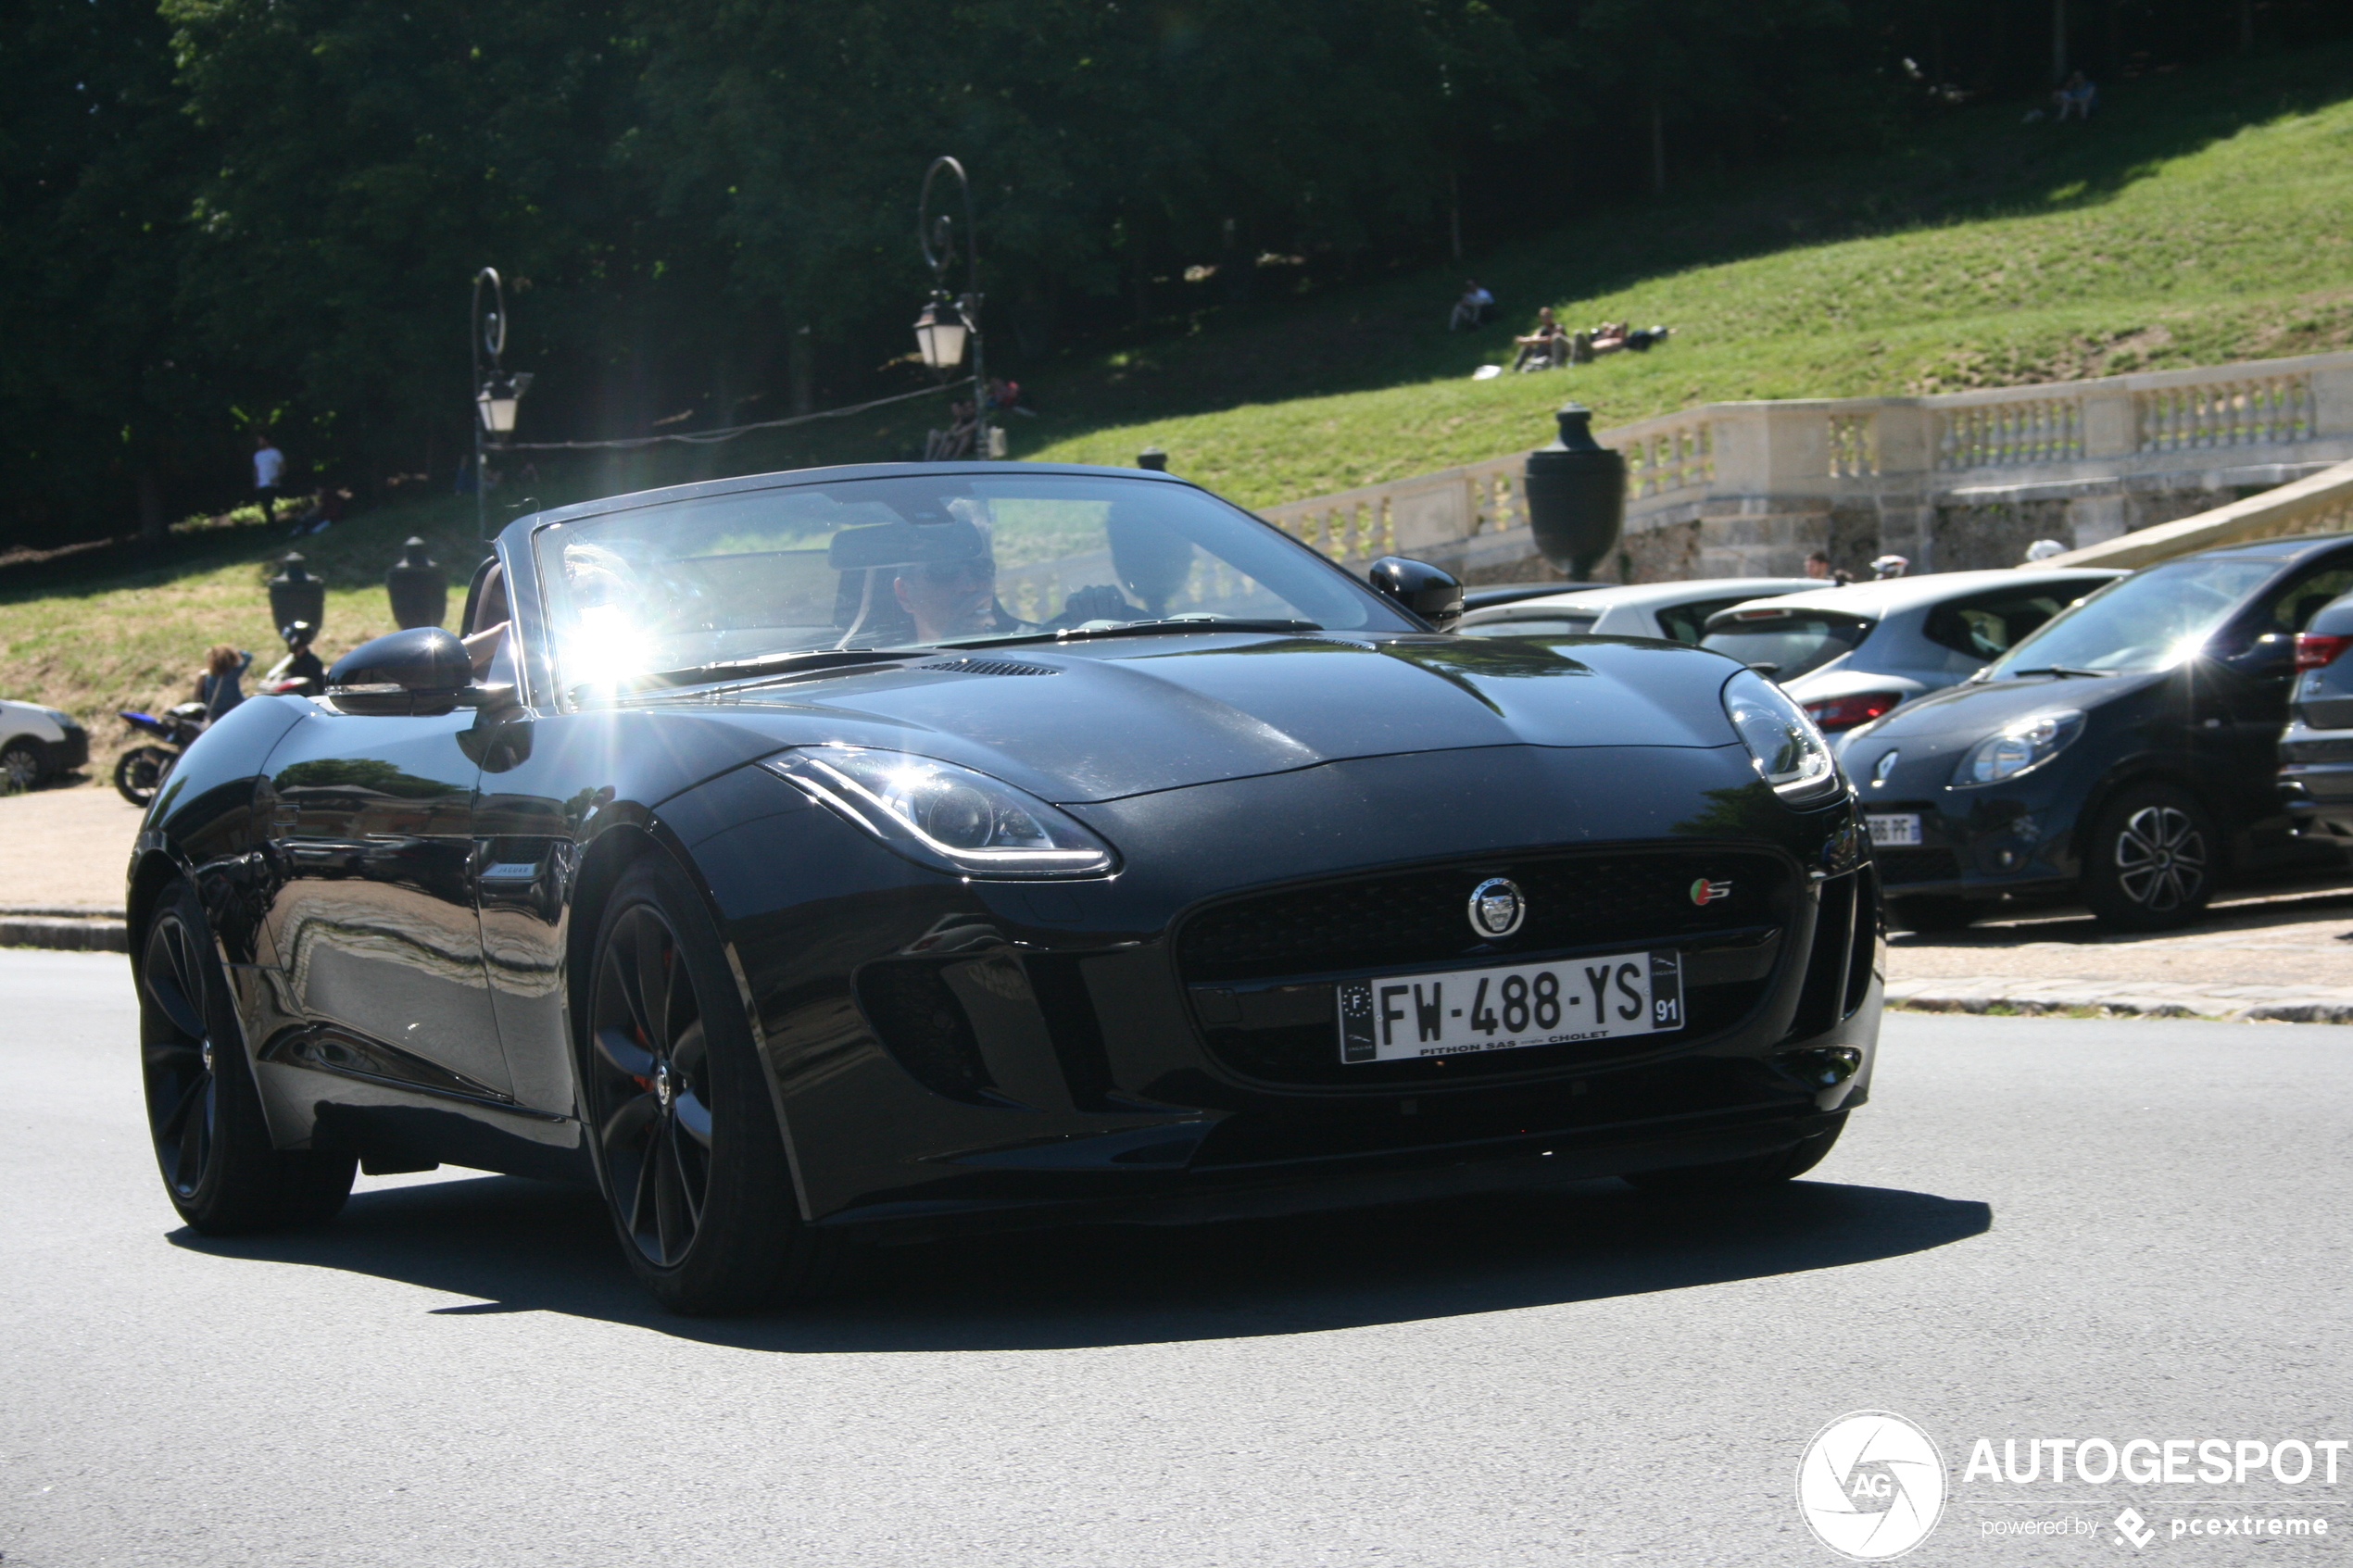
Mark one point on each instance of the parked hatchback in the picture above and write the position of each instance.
(2316, 755)
(1676, 612)
(1849, 655)
(38, 743)
(2127, 752)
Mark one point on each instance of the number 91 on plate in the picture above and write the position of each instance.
(1471, 1011)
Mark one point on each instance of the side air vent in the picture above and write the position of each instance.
(989, 667)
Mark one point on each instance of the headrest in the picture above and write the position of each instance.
(906, 543)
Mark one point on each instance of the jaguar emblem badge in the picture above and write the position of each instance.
(1497, 907)
(1704, 892)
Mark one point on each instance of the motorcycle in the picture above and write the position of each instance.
(143, 769)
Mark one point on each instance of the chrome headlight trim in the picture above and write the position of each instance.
(944, 815)
(1788, 751)
(2018, 747)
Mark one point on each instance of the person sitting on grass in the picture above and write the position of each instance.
(2076, 98)
(1474, 309)
(1544, 348)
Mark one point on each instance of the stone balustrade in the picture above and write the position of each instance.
(1950, 480)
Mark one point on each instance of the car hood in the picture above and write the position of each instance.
(1084, 722)
(1981, 709)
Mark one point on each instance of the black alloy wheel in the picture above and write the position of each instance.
(19, 766)
(2150, 864)
(1740, 1175)
(212, 1143)
(688, 1143)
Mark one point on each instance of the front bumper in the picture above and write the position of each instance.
(1980, 841)
(955, 1054)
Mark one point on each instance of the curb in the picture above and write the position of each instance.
(2317, 1005)
(70, 929)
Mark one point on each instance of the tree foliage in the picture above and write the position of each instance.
(230, 213)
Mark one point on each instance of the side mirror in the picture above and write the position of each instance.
(1434, 595)
(424, 670)
(2270, 654)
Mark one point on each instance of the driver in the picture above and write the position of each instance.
(955, 594)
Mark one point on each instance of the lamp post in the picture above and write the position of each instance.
(946, 325)
(496, 393)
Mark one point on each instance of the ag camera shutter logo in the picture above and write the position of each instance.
(1871, 1486)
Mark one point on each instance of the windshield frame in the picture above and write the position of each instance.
(521, 542)
(2020, 656)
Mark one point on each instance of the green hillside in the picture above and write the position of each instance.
(2194, 221)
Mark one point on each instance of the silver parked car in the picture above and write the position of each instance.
(1851, 654)
(1673, 610)
(38, 743)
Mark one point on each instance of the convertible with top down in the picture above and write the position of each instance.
(891, 850)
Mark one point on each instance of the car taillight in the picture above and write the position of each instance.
(1834, 714)
(2314, 649)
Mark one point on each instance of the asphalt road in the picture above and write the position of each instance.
(2044, 1228)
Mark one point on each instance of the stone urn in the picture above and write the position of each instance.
(419, 589)
(296, 595)
(1575, 492)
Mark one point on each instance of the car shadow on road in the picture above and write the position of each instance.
(518, 1246)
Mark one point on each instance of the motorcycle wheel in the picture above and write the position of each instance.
(140, 772)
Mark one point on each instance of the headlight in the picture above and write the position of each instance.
(1789, 752)
(946, 817)
(63, 720)
(2019, 748)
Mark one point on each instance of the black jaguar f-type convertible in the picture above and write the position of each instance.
(873, 851)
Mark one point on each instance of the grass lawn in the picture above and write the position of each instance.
(2203, 216)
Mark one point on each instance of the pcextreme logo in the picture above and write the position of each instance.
(1871, 1486)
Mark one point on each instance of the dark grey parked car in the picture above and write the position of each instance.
(2316, 754)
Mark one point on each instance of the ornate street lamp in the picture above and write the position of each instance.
(946, 325)
(495, 393)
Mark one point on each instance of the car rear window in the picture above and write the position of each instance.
(1535, 626)
(1785, 644)
(1687, 623)
(1990, 624)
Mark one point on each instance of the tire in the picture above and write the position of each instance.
(1740, 1175)
(204, 1115)
(1932, 913)
(2152, 859)
(688, 1149)
(19, 766)
(140, 771)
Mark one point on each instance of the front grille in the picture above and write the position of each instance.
(1423, 917)
(1289, 1033)
(1900, 867)
(2316, 751)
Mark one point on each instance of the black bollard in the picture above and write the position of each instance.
(1576, 494)
(419, 589)
(295, 596)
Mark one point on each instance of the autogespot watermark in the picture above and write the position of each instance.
(1872, 1486)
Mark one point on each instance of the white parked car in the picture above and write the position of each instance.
(1673, 610)
(1851, 654)
(38, 743)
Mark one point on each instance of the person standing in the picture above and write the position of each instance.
(216, 685)
(268, 466)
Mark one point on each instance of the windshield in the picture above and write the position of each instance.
(913, 561)
(1786, 645)
(2148, 621)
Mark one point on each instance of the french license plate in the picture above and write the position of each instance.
(1503, 1009)
(1894, 828)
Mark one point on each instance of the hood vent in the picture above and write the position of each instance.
(989, 667)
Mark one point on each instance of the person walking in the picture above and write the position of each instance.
(269, 466)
